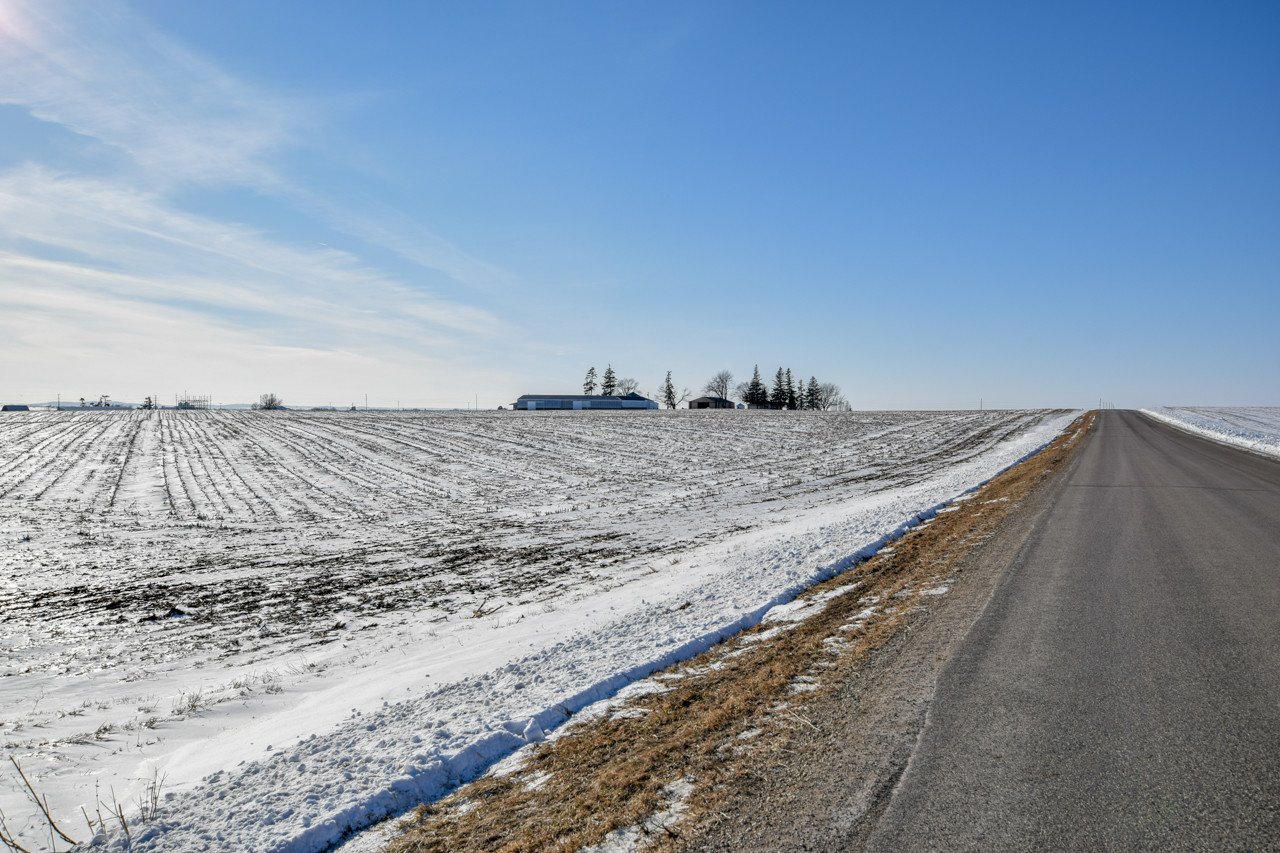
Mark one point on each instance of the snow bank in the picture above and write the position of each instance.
(1253, 428)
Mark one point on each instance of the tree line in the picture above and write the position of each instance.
(787, 391)
(610, 385)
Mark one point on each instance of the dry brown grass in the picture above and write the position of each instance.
(609, 772)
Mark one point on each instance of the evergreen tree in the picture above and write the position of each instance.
(793, 402)
(812, 394)
(778, 397)
(609, 385)
(756, 393)
(669, 392)
(589, 384)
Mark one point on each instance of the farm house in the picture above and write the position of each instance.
(574, 402)
(711, 403)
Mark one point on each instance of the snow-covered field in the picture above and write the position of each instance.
(295, 624)
(1255, 428)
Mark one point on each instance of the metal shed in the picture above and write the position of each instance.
(574, 402)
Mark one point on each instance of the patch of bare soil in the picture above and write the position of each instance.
(674, 767)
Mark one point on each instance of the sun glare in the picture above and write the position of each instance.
(10, 21)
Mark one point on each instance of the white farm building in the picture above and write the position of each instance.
(573, 402)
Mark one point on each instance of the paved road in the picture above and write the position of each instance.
(1122, 688)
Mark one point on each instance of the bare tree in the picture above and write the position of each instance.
(741, 390)
(269, 402)
(719, 385)
(829, 396)
(627, 385)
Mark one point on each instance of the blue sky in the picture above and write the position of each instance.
(926, 203)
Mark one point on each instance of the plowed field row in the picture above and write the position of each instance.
(267, 529)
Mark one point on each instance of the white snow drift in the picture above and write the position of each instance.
(1253, 428)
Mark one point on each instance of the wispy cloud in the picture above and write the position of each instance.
(71, 327)
(77, 341)
(419, 245)
(178, 117)
(92, 235)
(170, 254)
(108, 262)
(104, 72)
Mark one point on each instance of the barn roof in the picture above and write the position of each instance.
(631, 396)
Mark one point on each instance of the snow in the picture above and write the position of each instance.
(378, 607)
(1253, 428)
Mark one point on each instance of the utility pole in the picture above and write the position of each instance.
(366, 402)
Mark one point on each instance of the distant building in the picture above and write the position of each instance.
(711, 403)
(14, 407)
(575, 402)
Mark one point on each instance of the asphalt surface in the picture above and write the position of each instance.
(1121, 689)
